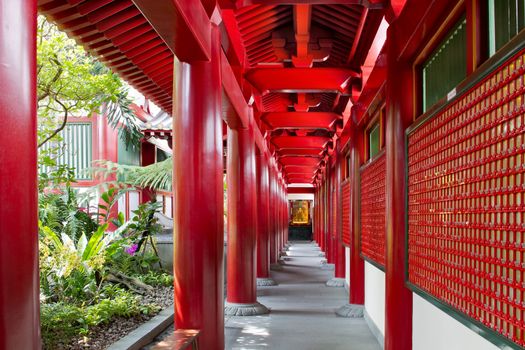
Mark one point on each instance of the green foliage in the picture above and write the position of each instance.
(78, 256)
(139, 232)
(70, 270)
(110, 198)
(157, 176)
(60, 322)
(59, 211)
(156, 278)
(70, 82)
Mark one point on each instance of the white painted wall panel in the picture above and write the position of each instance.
(375, 295)
(433, 329)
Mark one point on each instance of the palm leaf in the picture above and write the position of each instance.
(156, 176)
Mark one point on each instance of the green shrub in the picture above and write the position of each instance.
(156, 278)
(62, 322)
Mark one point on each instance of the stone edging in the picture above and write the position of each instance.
(145, 333)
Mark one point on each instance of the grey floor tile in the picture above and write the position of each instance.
(302, 312)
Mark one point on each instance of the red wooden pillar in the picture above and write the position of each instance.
(399, 108)
(283, 212)
(198, 183)
(274, 222)
(280, 208)
(357, 266)
(339, 250)
(147, 157)
(263, 227)
(19, 283)
(329, 233)
(322, 219)
(315, 219)
(278, 218)
(241, 286)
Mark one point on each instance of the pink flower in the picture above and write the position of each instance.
(132, 249)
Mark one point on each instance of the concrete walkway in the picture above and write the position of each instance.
(302, 312)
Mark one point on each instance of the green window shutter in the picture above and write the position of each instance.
(374, 137)
(128, 156)
(446, 67)
(78, 152)
(161, 155)
(506, 20)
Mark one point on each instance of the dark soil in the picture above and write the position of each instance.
(101, 337)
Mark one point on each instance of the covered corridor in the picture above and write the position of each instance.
(300, 306)
(404, 119)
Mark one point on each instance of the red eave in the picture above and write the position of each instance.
(120, 36)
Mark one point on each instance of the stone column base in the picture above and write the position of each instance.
(335, 282)
(233, 309)
(265, 282)
(350, 311)
(325, 266)
(276, 267)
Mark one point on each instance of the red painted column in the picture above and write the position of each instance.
(399, 107)
(19, 283)
(315, 218)
(263, 227)
(339, 250)
(281, 216)
(273, 216)
(283, 213)
(322, 221)
(329, 233)
(147, 157)
(241, 286)
(277, 219)
(357, 267)
(198, 184)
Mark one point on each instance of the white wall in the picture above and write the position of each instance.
(347, 266)
(134, 202)
(375, 296)
(452, 335)
(301, 196)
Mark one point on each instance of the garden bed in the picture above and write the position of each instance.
(105, 334)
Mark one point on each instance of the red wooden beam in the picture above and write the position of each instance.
(304, 161)
(300, 120)
(301, 190)
(373, 4)
(243, 113)
(302, 17)
(301, 79)
(298, 169)
(183, 25)
(300, 141)
(299, 152)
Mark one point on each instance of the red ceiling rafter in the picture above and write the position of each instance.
(291, 152)
(300, 79)
(119, 35)
(300, 61)
(376, 4)
(300, 120)
(300, 161)
(316, 142)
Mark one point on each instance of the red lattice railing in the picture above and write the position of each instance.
(345, 212)
(466, 203)
(373, 190)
